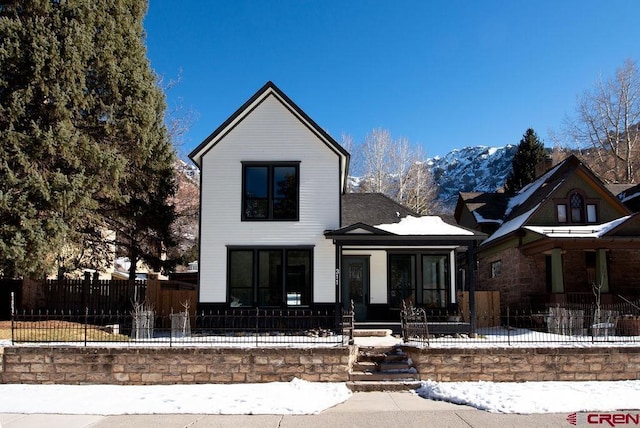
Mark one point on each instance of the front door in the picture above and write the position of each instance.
(355, 284)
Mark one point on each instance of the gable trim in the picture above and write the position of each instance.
(270, 89)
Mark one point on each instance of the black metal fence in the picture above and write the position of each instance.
(145, 327)
(551, 324)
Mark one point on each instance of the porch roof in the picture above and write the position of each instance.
(584, 243)
(621, 233)
(410, 231)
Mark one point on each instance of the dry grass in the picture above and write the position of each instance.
(5, 330)
(57, 331)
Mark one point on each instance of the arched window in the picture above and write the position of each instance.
(577, 207)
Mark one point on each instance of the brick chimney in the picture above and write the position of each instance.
(543, 166)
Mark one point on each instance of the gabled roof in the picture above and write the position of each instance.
(371, 209)
(485, 207)
(373, 218)
(524, 204)
(271, 90)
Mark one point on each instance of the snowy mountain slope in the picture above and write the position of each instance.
(471, 169)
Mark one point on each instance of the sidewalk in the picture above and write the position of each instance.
(363, 409)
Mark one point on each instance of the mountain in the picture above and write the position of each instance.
(471, 169)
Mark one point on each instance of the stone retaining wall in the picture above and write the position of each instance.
(148, 366)
(527, 364)
(136, 366)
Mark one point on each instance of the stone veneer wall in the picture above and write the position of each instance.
(137, 366)
(520, 277)
(527, 364)
(148, 366)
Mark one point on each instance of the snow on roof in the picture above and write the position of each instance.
(573, 231)
(528, 190)
(630, 197)
(510, 226)
(425, 225)
(481, 219)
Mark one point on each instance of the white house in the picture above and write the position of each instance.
(276, 226)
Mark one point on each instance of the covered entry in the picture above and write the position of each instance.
(414, 261)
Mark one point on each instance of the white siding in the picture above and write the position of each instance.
(268, 133)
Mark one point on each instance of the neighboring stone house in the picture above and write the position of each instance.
(277, 229)
(555, 239)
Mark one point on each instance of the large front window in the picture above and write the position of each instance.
(270, 191)
(421, 279)
(270, 276)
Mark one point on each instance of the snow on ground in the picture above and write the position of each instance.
(537, 397)
(291, 398)
(301, 397)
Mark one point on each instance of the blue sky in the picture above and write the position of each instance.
(444, 74)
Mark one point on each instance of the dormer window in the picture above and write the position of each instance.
(270, 191)
(576, 209)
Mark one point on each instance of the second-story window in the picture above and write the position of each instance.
(270, 190)
(576, 209)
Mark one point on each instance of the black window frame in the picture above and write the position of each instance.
(415, 292)
(272, 196)
(286, 276)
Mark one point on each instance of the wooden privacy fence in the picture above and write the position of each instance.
(108, 296)
(78, 294)
(487, 307)
(166, 297)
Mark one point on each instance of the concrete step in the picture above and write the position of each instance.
(366, 376)
(382, 332)
(396, 357)
(365, 366)
(394, 366)
(358, 386)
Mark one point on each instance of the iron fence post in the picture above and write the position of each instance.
(86, 321)
(508, 328)
(13, 311)
(257, 324)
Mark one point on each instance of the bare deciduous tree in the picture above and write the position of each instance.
(421, 193)
(376, 161)
(606, 125)
(398, 170)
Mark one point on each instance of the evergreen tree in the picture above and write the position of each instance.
(130, 107)
(530, 152)
(50, 170)
(84, 147)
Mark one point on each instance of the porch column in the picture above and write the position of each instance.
(338, 281)
(602, 276)
(471, 264)
(557, 280)
(452, 276)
